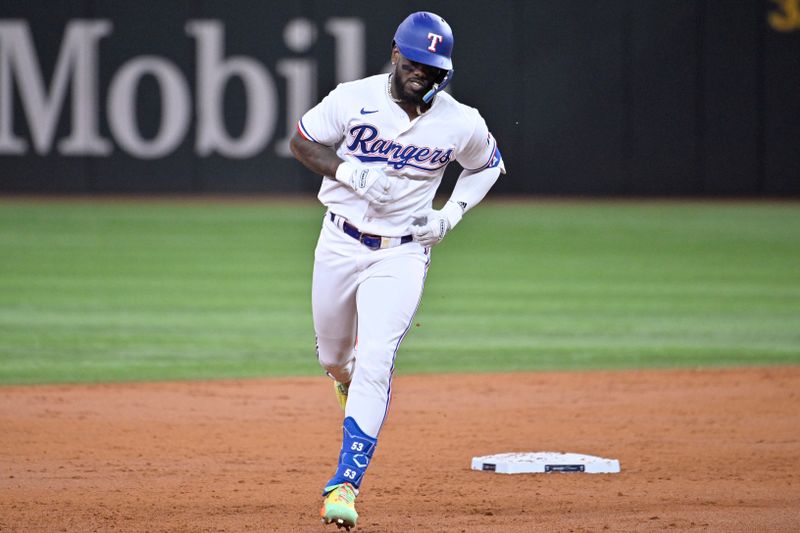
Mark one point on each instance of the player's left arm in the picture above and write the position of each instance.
(471, 187)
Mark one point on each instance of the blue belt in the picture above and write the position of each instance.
(373, 242)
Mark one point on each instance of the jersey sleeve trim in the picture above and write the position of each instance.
(494, 159)
(304, 132)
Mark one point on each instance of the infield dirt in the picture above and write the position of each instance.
(705, 450)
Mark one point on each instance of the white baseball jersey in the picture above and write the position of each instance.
(367, 127)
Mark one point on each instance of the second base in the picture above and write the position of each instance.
(544, 462)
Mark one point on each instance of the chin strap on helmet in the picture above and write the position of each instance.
(438, 87)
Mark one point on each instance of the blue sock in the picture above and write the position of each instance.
(357, 450)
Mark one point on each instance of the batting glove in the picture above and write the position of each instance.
(432, 228)
(370, 183)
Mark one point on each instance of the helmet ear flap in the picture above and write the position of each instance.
(438, 87)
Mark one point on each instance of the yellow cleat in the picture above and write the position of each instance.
(339, 507)
(341, 390)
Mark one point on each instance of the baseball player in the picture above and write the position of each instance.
(382, 144)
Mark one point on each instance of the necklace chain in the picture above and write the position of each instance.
(389, 90)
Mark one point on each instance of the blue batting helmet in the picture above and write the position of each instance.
(426, 38)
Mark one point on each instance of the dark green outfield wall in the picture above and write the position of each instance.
(625, 97)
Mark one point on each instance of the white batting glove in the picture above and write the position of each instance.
(433, 227)
(370, 183)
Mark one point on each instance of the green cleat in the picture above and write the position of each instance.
(339, 507)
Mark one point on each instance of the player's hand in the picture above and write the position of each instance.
(370, 183)
(430, 229)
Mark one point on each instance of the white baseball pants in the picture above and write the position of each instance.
(369, 297)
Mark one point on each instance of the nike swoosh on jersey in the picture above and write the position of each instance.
(365, 112)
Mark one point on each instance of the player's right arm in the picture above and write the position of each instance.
(318, 158)
(370, 183)
(322, 128)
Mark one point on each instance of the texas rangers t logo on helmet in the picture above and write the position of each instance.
(435, 39)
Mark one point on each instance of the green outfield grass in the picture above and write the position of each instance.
(138, 290)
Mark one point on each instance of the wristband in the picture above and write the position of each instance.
(452, 212)
(344, 172)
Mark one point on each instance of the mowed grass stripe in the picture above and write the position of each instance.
(623, 285)
(128, 291)
(107, 291)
